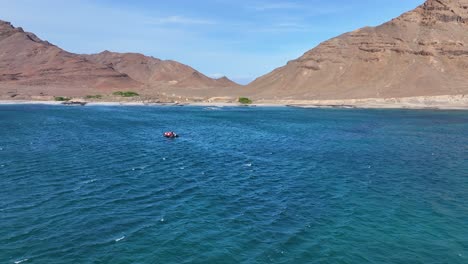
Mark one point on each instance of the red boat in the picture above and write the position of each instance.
(170, 134)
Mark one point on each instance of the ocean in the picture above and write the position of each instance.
(100, 184)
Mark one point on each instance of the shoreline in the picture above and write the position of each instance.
(445, 102)
(136, 103)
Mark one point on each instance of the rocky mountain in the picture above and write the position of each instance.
(156, 72)
(30, 66)
(421, 53)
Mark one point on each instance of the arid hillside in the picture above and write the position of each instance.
(33, 68)
(421, 53)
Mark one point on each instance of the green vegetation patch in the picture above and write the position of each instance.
(245, 100)
(61, 98)
(126, 94)
(97, 96)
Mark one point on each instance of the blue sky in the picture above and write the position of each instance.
(241, 39)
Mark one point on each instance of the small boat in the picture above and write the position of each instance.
(170, 134)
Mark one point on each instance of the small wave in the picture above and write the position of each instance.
(21, 261)
(90, 181)
(119, 239)
(212, 108)
(248, 165)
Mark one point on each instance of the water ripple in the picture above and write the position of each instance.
(100, 184)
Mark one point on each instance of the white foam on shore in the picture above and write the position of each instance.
(21, 102)
(213, 108)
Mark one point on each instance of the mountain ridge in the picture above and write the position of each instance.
(30, 66)
(151, 71)
(423, 52)
(420, 53)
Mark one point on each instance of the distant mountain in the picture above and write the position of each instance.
(155, 72)
(30, 66)
(422, 53)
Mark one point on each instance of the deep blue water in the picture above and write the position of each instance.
(241, 185)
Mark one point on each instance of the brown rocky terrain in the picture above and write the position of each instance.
(421, 53)
(421, 56)
(31, 68)
(166, 78)
(153, 71)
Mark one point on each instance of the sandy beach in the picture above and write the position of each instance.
(420, 102)
(427, 102)
(142, 103)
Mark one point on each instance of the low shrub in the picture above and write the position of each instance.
(126, 94)
(97, 96)
(61, 98)
(245, 100)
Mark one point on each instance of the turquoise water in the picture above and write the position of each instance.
(241, 185)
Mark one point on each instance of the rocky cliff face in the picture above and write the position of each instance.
(156, 72)
(30, 66)
(422, 53)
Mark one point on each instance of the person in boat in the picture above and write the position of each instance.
(170, 134)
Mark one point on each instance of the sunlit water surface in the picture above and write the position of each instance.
(241, 185)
